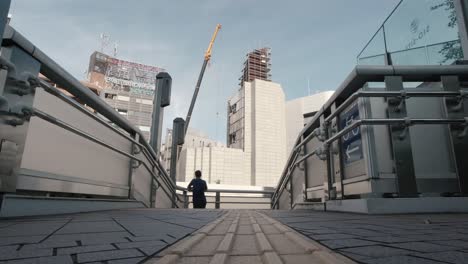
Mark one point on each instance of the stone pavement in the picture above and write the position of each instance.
(111, 237)
(246, 236)
(385, 239)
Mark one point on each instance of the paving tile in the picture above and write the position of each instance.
(83, 249)
(296, 259)
(392, 239)
(283, 245)
(140, 244)
(455, 257)
(221, 229)
(151, 250)
(50, 244)
(90, 227)
(206, 247)
(244, 230)
(455, 243)
(346, 243)
(125, 261)
(269, 229)
(401, 260)
(377, 251)
(108, 255)
(332, 236)
(31, 229)
(194, 260)
(423, 247)
(10, 253)
(244, 259)
(90, 238)
(20, 240)
(244, 245)
(43, 260)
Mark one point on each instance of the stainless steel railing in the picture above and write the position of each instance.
(252, 199)
(140, 155)
(320, 127)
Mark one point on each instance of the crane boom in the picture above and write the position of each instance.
(200, 77)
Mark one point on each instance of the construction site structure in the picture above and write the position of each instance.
(257, 66)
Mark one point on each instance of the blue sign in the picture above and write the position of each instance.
(351, 142)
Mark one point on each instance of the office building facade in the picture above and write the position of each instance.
(126, 86)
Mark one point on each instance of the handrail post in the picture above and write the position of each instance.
(18, 83)
(217, 200)
(401, 141)
(185, 199)
(456, 109)
(178, 134)
(133, 151)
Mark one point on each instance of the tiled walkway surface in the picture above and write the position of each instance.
(393, 239)
(111, 237)
(245, 237)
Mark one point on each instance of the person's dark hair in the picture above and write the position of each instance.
(198, 174)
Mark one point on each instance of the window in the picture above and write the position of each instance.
(122, 111)
(123, 98)
(144, 101)
(233, 108)
(232, 138)
(144, 128)
(109, 95)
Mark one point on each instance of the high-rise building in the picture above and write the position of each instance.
(256, 133)
(300, 111)
(257, 125)
(126, 86)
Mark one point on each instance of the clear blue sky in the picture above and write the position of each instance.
(315, 40)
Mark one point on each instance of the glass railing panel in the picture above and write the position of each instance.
(373, 53)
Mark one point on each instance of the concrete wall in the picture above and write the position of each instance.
(269, 132)
(295, 111)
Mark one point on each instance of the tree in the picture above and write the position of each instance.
(451, 50)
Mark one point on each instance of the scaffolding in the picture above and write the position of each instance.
(257, 66)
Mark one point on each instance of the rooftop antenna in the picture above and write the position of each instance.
(308, 85)
(105, 39)
(116, 46)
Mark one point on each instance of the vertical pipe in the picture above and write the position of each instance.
(217, 200)
(178, 133)
(131, 169)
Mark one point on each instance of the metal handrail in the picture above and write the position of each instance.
(348, 92)
(57, 74)
(179, 188)
(57, 93)
(83, 134)
(218, 192)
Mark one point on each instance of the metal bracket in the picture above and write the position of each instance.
(136, 149)
(456, 104)
(465, 129)
(399, 101)
(405, 131)
(322, 152)
(9, 67)
(136, 164)
(20, 114)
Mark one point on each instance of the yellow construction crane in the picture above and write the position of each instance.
(200, 77)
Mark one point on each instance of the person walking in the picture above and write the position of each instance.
(198, 187)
